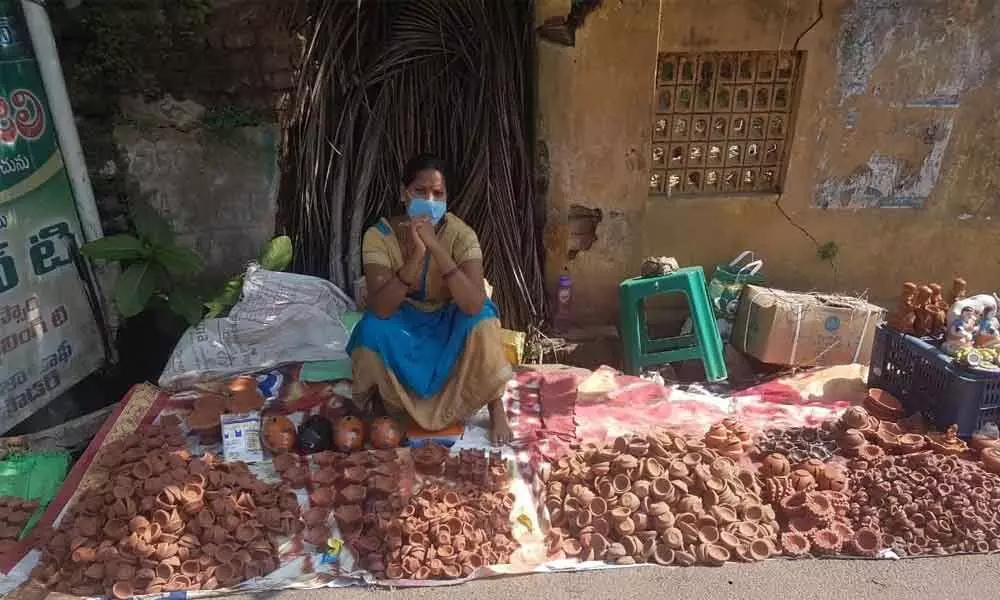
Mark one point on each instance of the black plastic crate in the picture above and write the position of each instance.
(929, 381)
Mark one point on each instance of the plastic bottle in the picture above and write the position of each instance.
(561, 319)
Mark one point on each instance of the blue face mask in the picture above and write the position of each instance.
(422, 207)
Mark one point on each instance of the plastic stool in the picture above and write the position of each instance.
(703, 344)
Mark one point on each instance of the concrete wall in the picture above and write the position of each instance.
(893, 157)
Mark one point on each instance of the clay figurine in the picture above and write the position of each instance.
(960, 332)
(988, 333)
(958, 291)
(939, 309)
(925, 312)
(903, 318)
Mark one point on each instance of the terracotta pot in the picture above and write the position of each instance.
(866, 542)
(794, 544)
(122, 590)
(760, 549)
(715, 555)
(349, 434)
(854, 417)
(802, 479)
(278, 434)
(385, 433)
(244, 395)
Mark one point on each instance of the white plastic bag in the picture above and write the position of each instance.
(282, 318)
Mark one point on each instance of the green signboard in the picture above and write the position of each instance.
(48, 336)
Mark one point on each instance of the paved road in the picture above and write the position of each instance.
(966, 577)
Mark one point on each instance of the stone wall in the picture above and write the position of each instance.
(178, 102)
(891, 164)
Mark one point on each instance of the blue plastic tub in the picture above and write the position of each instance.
(929, 381)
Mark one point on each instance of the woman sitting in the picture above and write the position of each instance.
(429, 343)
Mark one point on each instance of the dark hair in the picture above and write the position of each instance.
(424, 162)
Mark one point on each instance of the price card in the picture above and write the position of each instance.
(241, 438)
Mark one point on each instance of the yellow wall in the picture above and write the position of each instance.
(899, 96)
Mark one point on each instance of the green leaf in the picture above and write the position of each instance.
(115, 247)
(178, 260)
(151, 227)
(220, 305)
(187, 304)
(278, 254)
(136, 287)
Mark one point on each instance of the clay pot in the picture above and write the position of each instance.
(385, 433)
(206, 425)
(910, 442)
(866, 542)
(122, 590)
(883, 405)
(850, 440)
(869, 453)
(349, 434)
(760, 549)
(278, 434)
(321, 497)
(802, 480)
(714, 555)
(854, 417)
(244, 395)
(794, 544)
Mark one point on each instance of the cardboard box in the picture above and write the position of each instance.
(791, 328)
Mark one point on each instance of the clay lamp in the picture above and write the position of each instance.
(760, 549)
(866, 542)
(869, 453)
(206, 425)
(712, 555)
(122, 590)
(794, 543)
(854, 417)
(353, 494)
(284, 462)
(826, 541)
(278, 434)
(850, 440)
(947, 443)
(911, 442)
(321, 497)
(883, 405)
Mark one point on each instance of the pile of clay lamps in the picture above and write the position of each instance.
(926, 503)
(344, 484)
(797, 443)
(813, 498)
(14, 515)
(862, 435)
(660, 498)
(164, 521)
(447, 530)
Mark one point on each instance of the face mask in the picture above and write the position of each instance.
(422, 207)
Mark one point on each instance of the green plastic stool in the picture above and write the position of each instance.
(703, 344)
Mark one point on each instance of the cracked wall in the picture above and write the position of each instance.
(898, 109)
